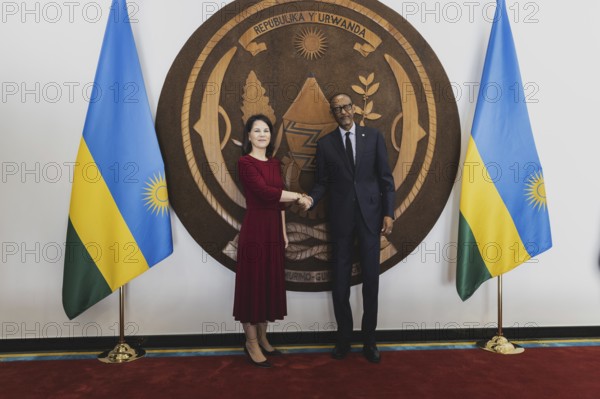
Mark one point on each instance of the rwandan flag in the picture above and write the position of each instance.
(503, 216)
(119, 222)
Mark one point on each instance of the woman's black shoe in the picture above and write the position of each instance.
(274, 352)
(264, 364)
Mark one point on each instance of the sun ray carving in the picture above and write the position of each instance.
(310, 43)
(156, 196)
(536, 191)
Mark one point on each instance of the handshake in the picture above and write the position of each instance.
(304, 201)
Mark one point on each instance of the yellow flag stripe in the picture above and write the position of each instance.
(100, 225)
(484, 210)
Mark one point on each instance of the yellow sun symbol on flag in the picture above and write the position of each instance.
(156, 196)
(536, 191)
(311, 43)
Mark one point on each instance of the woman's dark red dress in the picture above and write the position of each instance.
(260, 279)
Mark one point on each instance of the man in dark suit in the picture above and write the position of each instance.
(352, 164)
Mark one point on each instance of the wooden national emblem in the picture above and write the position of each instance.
(285, 59)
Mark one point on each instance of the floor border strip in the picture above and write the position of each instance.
(467, 345)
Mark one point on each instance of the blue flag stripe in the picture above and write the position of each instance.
(501, 109)
(120, 134)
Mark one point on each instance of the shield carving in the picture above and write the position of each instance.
(284, 59)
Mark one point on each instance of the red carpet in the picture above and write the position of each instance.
(570, 372)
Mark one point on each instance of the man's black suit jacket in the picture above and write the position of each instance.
(372, 183)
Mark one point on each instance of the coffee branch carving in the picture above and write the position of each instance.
(367, 91)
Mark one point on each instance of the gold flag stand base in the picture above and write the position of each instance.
(122, 353)
(501, 345)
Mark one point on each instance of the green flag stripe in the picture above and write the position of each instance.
(471, 270)
(81, 273)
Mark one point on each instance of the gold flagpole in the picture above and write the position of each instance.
(122, 353)
(499, 344)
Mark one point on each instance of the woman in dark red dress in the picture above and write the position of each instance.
(260, 280)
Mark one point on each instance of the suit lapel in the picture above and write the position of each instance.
(360, 146)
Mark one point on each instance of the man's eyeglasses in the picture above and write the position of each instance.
(338, 110)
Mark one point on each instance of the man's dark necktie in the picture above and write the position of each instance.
(349, 152)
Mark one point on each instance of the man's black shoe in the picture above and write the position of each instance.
(371, 353)
(340, 351)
